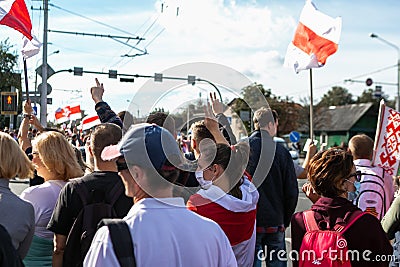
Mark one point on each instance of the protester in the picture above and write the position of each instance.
(228, 197)
(158, 220)
(16, 215)
(332, 175)
(101, 181)
(54, 160)
(272, 169)
(391, 226)
(376, 191)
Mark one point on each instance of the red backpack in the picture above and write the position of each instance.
(325, 247)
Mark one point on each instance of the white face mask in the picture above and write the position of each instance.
(203, 183)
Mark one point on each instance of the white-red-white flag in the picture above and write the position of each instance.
(13, 13)
(316, 38)
(68, 113)
(387, 140)
(90, 121)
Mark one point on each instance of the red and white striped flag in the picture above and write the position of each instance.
(387, 140)
(68, 113)
(90, 121)
(316, 38)
(13, 13)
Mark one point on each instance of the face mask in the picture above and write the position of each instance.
(203, 183)
(353, 195)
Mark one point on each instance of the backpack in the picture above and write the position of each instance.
(121, 240)
(375, 186)
(96, 206)
(325, 247)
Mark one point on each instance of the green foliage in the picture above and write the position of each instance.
(337, 96)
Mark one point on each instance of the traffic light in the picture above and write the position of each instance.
(9, 104)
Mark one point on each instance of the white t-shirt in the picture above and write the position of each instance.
(165, 233)
(43, 198)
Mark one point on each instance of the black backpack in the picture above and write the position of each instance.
(97, 205)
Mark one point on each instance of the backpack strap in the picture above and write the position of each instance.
(82, 191)
(116, 192)
(309, 221)
(122, 241)
(352, 219)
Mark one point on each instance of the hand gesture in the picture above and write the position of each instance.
(309, 192)
(35, 122)
(217, 106)
(97, 92)
(28, 107)
(210, 121)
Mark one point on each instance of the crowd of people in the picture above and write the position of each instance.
(212, 201)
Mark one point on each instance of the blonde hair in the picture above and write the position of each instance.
(13, 161)
(58, 155)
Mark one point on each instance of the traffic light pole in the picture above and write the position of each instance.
(43, 93)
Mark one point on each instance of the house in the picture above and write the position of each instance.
(335, 125)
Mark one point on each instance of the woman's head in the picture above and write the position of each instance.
(329, 171)
(13, 161)
(54, 156)
(225, 160)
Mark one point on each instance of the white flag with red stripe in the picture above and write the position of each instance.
(90, 121)
(68, 113)
(316, 38)
(387, 140)
(14, 14)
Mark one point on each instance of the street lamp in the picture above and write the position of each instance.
(373, 35)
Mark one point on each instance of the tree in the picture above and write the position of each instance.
(337, 96)
(8, 75)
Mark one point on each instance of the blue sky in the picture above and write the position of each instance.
(248, 36)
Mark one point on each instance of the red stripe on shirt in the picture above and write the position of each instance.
(238, 226)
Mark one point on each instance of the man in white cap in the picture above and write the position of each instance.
(163, 231)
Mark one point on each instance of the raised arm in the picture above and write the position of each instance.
(23, 139)
(224, 126)
(104, 111)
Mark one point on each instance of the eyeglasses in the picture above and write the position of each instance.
(121, 166)
(357, 174)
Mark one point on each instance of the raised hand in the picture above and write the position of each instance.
(217, 106)
(97, 92)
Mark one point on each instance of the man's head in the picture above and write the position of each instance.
(361, 146)
(266, 119)
(151, 155)
(199, 133)
(105, 134)
(164, 120)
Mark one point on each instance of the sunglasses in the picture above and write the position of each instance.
(357, 174)
(121, 166)
(33, 153)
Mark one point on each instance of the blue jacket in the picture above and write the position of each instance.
(272, 169)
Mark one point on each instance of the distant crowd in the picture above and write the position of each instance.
(137, 194)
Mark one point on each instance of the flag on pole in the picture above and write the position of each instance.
(387, 144)
(316, 38)
(68, 113)
(90, 121)
(14, 14)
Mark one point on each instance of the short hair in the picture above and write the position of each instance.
(361, 146)
(57, 155)
(263, 116)
(126, 118)
(162, 119)
(200, 132)
(13, 161)
(104, 134)
(328, 170)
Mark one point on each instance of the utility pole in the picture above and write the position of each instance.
(43, 93)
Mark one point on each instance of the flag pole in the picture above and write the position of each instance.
(26, 80)
(311, 108)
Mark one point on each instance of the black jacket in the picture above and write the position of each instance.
(273, 173)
